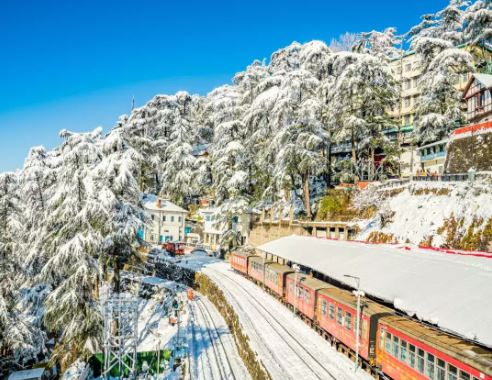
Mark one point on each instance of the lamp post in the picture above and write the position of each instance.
(297, 269)
(359, 294)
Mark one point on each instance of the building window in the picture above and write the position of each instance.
(163, 218)
(408, 67)
(407, 102)
(152, 216)
(179, 219)
(332, 311)
(464, 376)
(172, 218)
(348, 321)
(407, 84)
(339, 316)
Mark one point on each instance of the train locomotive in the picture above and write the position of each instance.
(390, 344)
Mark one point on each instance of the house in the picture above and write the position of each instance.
(212, 229)
(31, 374)
(478, 98)
(433, 156)
(167, 220)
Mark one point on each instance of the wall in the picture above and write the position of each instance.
(468, 152)
(157, 227)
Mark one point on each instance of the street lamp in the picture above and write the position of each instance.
(359, 294)
(297, 269)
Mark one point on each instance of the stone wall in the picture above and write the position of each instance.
(467, 152)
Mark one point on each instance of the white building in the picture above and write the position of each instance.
(212, 231)
(167, 220)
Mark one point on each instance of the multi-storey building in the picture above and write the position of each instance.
(167, 221)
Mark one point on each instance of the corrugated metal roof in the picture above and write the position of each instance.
(34, 373)
(449, 290)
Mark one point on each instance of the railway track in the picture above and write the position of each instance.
(211, 353)
(314, 368)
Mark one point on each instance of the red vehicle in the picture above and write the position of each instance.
(336, 313)
(239, 261)
(410, 350)
(256, 268)
(174, 248)
(308, 287)
(275, 275)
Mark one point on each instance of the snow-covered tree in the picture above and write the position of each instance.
(359, 102)
(477, 20)
(72, 244)
(120, 212)
(178, 169)
(385, 45)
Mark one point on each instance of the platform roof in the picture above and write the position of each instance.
(452, 291)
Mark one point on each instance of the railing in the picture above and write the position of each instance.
(460, 177)
(432, 156)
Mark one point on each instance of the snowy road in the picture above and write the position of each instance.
(213, 353)
(287, 347)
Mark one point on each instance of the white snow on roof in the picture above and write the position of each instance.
(150, 203)
(34, 373)
(451, 291)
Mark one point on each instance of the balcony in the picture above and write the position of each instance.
(432, 156)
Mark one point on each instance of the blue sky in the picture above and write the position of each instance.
(77, 64)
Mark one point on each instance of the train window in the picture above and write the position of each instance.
(388, 342)
(411, 355)
(323, 307)
(441, 370)
(430, 367)
(403, 351)
(332, 311)
(464, 376)
(348, 321)
(396, 346)
(339, 316)
(420, 360)
(452, 372)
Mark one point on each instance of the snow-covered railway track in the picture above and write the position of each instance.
(309, 363)
(214, 355)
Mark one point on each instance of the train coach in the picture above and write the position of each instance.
(275, 276)
(336, 313)
(239, 261)
(411, 350)
(398, 346)
(304, 299)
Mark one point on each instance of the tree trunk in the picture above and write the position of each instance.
(307, 198)
(354, 153)
(372, 167)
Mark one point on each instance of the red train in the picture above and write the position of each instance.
(390, 344)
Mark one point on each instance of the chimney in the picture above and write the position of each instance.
(158, 203)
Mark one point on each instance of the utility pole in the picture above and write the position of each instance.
(359, 294)
(297, 269)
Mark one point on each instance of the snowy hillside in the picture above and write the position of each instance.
(451, 215)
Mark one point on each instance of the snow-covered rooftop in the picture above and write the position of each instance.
(452, 291)
(35, 373)
(152, 202)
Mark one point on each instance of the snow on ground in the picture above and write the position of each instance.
(213, 353)
(449, 290)
(287, 347)
(418, 216)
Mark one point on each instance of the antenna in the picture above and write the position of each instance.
(133, 102)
